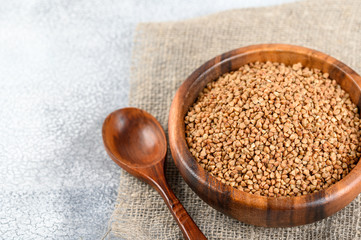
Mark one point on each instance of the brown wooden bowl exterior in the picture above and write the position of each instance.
(246, 207)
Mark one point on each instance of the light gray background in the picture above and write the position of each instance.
(64, 65)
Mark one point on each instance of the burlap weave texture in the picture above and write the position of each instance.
(166, 53)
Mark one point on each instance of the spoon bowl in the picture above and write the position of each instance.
(135, 140)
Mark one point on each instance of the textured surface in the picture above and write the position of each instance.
(64, 65)
(166, 53)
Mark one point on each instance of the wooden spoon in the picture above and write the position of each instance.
(135, 140)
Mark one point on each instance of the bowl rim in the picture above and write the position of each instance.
(186, 162)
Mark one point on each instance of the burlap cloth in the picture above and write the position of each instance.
(166, 53)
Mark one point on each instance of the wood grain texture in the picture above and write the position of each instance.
(135, 140)
(246, 207)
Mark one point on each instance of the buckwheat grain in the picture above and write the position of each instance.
(275, 130)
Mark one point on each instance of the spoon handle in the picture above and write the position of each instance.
(189, 229)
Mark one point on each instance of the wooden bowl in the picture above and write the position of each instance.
(246, 207)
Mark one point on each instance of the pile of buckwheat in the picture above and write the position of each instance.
(275, 130)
